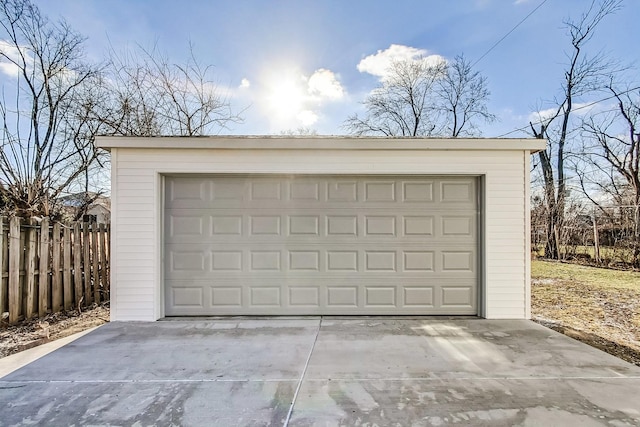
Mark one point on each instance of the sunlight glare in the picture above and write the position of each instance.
(286, 96)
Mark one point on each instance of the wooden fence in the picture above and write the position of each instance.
(47, 268)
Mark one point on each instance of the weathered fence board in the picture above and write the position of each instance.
(94, 259)
(30, 263)
(46, 269)
(86, 266)
(43, 270)
(15, 252)
(57, 272)
(77, 264)
(66, 274)
(104, 264)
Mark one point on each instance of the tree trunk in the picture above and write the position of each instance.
(553, 213)
(552, 248)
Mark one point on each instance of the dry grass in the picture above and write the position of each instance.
(32, 333)
(613, 254)
(596, 305)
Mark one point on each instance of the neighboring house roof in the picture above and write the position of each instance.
(79, 199)
(75, 205)
(96, 207)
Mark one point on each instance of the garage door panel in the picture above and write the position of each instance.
(418, 260)
(226, 296)
(380, 191)
(457, 191)
(187, 190)
(188, 261)
(375, 191)
(304, 296)
(380, 296)
(320, 245)
(417, 191)
(456, 225)
(380, 233)
(315, 261)
(457, 296)
(225, 224)
(268, 297)
(320, 224)
(186, 225)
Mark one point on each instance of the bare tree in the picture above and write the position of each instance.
(150, 95)
(423, 97)
(300, 131)
(41, 154)
(60, 102)
(402, 105)
(612, 145)
(583, 74)
(462, 96)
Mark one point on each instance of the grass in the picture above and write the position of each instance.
(597, 305)
(594, 276)
(613, 254)
(608, 253)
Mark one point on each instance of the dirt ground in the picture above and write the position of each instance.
(14, 339)
(607, 318)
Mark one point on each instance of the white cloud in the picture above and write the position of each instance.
(379, 63)
(542, 115)
(324, 84)
(579, 109)
(582, 108)
(13, 53)
(521, 2)
(9, 69)
(307, 117)
(245, 83)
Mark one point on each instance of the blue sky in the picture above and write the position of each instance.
(295, 63)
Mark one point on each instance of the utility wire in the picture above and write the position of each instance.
(508, 33)
(591, 104)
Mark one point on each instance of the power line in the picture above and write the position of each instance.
(508, 33)
(591, 104)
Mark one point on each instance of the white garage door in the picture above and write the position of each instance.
(292, 245)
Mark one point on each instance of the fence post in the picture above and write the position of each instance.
(30, 269)
(14, 270)
(103, 260)
(55, 269)
(94, 259)
(43, 269)
(86, 260)
(68, 289)
(77, 264)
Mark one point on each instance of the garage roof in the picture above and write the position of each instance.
(256, 142)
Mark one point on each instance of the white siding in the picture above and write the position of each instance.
(137, 210)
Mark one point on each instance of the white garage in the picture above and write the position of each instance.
(327, 225)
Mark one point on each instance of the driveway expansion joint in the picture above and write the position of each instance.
(304, 371)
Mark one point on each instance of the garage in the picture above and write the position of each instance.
(265, 225)
(296, 245)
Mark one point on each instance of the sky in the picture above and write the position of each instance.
(286, 64)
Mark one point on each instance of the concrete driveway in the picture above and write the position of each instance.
(326, 372)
